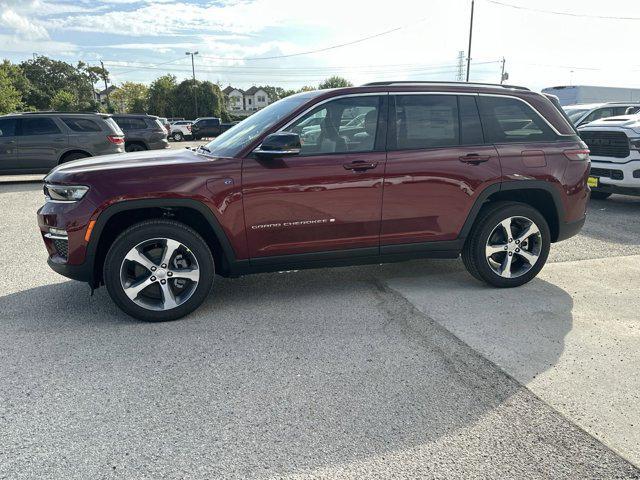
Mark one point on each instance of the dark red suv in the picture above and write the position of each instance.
(378, 173)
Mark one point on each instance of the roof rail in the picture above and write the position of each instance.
(457, 84)
(49, 112)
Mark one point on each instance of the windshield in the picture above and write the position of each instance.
(575, 114)
(231, 142)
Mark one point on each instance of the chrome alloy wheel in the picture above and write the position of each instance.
(159, 274)
(513, 247)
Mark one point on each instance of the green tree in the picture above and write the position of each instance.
(210, 100)
(308, 88)
(131, 97)
(47, 77)
(335, 82)
(162, 96)
(10, 97)
(64, 101)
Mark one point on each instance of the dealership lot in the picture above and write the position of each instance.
(400, 370)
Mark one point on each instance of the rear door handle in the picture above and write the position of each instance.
(360, 166)
(474, 158)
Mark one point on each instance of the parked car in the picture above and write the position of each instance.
(615, 155)
(209, 127)
(586, 113)
(36, 142)
(181, 130)
(494, 173)
(142, 132)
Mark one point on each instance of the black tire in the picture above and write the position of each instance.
(177, 137)
(74, 156)
(134, 147)
(596, 195)
(152, 229)
(473, 252)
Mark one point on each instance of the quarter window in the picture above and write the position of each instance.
(508, 120)
(328, 128)
(81, 124)
(426, 121)
(39, 126)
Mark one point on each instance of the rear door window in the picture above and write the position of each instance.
(509, 120)
(426, 121)
(81, 124)
(7, 127)
(39, 126)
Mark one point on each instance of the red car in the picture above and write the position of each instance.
(491, 172)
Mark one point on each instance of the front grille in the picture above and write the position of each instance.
(62, 247)
(607, 144)
(607, 173)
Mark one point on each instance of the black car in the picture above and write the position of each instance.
(142, 132)
(209, 127)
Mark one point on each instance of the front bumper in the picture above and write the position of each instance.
(82, 272)
(629, 170)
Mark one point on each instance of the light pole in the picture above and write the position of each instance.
(470, 35)
(195, 87)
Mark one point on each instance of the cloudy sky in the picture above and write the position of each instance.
(557, 43)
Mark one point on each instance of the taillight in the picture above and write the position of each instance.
(117, 139)
(577, 155)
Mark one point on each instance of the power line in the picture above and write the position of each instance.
(567, 14)
(332, 47)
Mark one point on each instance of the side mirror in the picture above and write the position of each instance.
(280, 144)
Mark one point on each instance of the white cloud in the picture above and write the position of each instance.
(22, 26)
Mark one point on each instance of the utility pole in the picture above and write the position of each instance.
(504, 75)
(195, 89)
(460, 74)
(470, 36)
(106, 87)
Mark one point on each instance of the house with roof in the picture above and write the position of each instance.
(255, 98)
(234, 98)
(249, 100)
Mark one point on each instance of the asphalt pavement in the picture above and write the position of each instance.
(410, 370)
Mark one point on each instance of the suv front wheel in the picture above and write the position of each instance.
(508, 245)
(159, 270)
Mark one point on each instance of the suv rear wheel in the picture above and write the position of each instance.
(134, 147)
(177, 136)
(159, 270)
(508, 246)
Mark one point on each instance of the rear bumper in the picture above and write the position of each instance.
(570, 229)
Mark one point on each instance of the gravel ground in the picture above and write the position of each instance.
(311, 374)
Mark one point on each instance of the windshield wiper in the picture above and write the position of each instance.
(203, 148)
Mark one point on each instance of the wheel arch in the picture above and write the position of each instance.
(539, 194)
(72, 151)
(117, 217)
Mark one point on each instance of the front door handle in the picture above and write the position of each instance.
(360, 166)
(474, 158)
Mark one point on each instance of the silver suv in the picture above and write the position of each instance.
(36, 142)
(142, 132)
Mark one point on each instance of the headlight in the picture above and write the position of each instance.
(634, 143)
(65, 193)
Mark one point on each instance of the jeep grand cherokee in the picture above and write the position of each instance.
(491, 172)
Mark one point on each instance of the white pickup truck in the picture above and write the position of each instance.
(615, 155)
(181, 130)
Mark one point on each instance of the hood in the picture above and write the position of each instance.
(624, 121)
(146, 161)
